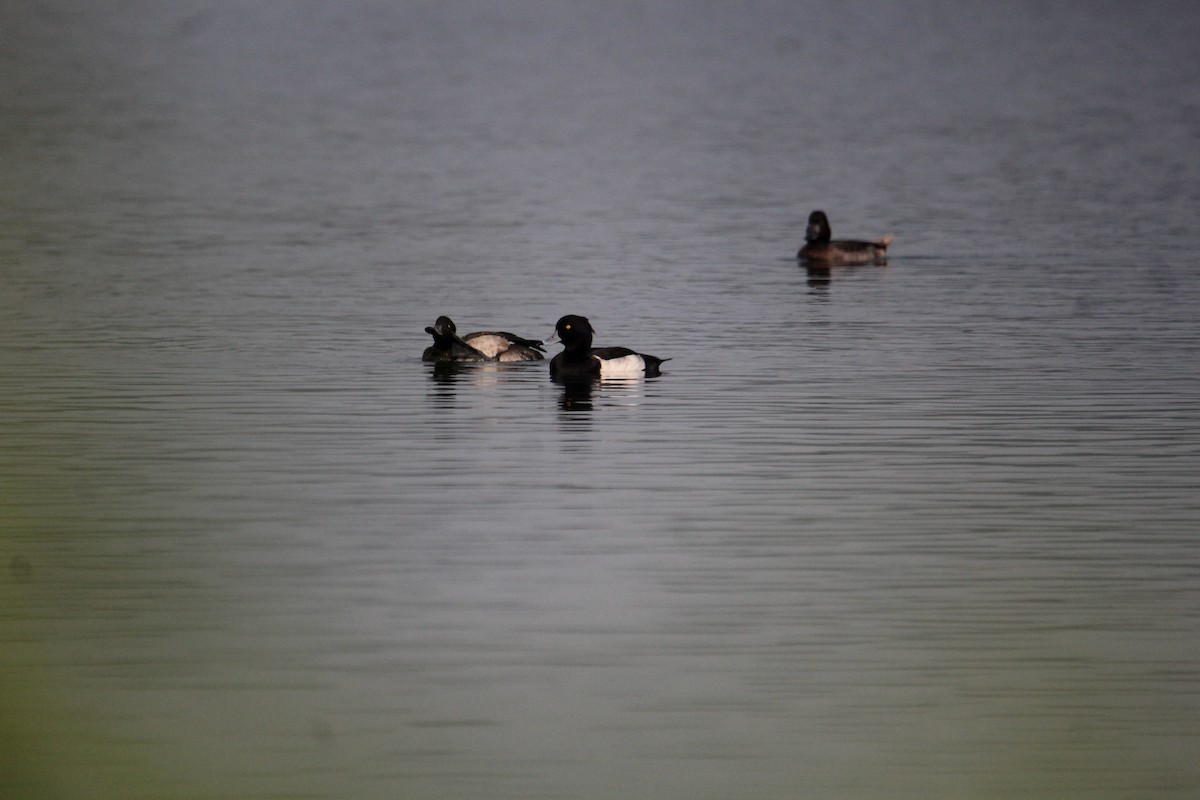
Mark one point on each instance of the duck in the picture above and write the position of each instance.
(479, 346)
(580, 360)
(821, 249)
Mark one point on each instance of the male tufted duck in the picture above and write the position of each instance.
(820, 248)
(479, 346)
(580, 360)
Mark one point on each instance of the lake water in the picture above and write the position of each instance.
(926, 530)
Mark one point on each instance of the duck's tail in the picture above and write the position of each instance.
(886, 240)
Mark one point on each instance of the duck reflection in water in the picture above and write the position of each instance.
(448, 372)
(820, 278)
(445, 376)
(576, 394)
(448, 377)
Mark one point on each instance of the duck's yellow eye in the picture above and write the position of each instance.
(566, 327)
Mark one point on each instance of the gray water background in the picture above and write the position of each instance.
(926, 530)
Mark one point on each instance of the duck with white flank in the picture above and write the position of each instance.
(479, 346)
(580, 360)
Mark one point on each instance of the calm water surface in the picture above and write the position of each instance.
(918, 531)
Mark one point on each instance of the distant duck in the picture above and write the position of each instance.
(479, 346)
(821, 249)
(580, 360)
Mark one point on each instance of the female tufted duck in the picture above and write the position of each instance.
(819, 247)
(479, 346)
(580, 360)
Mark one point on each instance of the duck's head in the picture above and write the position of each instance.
(818, 228)
(444, 326)
(573, 331)
(445, 335)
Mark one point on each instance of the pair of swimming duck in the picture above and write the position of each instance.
(577, 360)
(580, 359)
